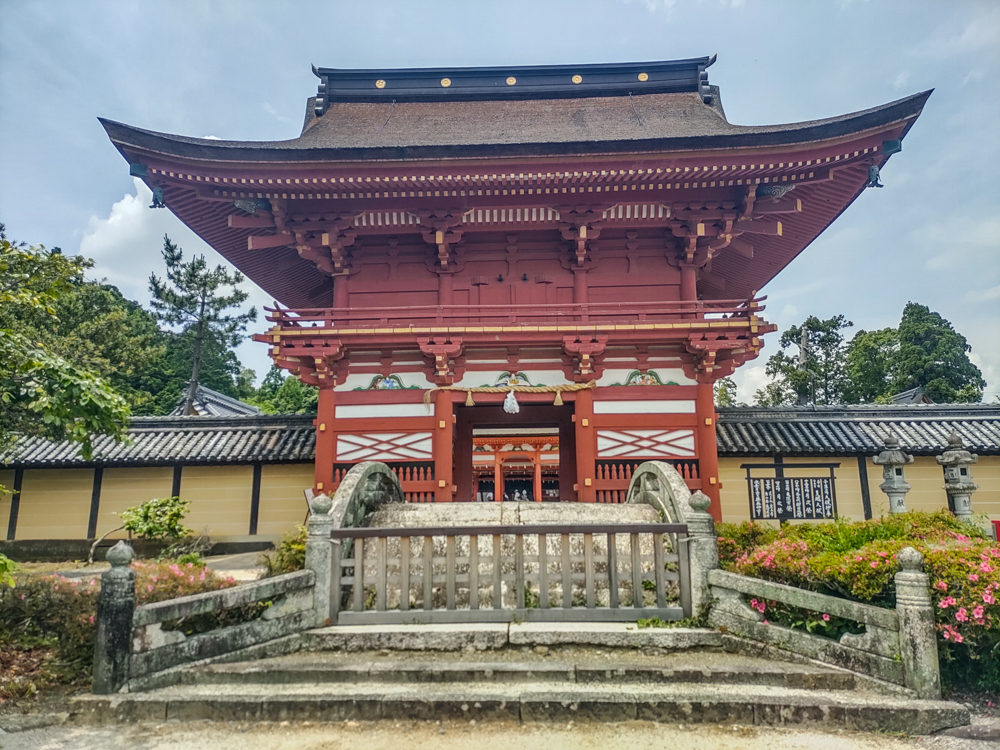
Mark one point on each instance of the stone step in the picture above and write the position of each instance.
(490, 636)
(291, 671)
(531, 702)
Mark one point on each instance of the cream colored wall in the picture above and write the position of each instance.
(55, 504)
(123, 488)
(735, 495)
(6, 480)
(282, 504)
(220, 499)
(926, 478)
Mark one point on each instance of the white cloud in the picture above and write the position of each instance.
(901, 80)
(275, 113)
(984, 295)
(748, 381)
(211, 138)
(126, 247)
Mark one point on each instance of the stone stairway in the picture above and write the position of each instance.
(535, 673)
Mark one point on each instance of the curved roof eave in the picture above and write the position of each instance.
(296, 150)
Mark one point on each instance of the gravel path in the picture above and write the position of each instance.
(455, 736)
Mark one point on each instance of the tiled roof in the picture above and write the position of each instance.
(922, 429)
(742, 431)
(162, 441)
(209, 403)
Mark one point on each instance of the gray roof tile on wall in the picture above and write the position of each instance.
(742, 431)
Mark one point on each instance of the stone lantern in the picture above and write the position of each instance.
(958, 477)
(892, 460)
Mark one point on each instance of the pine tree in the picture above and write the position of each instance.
(193, 297)
(818, 372)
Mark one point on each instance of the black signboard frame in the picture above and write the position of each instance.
(781, 498)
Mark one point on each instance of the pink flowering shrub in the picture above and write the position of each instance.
(858, 561)
(59, 612)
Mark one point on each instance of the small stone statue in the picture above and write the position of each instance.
(892, 460)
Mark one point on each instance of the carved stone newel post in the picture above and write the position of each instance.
(958, 477)
(917, 633)
(115, 607)
(892, 460)
(703, 551)
(319, 556)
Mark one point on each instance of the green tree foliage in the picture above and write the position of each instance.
(42, 393)
(932, 354)
(97, 328)
(194, 298)
(925, 351)
(871, 362)
(280, 394)
(725, 392)
(824, 376)
(156, 519)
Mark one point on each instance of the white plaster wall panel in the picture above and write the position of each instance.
(385, 446)
(645, 443)
(644, 407)
(370, 411)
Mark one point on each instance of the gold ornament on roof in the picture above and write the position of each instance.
(577, 79)
(380, 84)
(511, 81)
(644, 76)
(446, 82)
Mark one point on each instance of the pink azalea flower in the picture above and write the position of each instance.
(826, 617)
(941, 585)
(985, 567)
(977, 613)
(961, 616)
(946, 602)
(874, 563)
(22, 597)
(91, 619)
(973, 577)
(989, 598)
(149, 588)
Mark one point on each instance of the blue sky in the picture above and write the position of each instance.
(240, 70)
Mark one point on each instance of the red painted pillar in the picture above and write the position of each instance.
(586, 447)
(442, 446)
(537, 485)
(497, 478)
(326, 441)
(708, 452)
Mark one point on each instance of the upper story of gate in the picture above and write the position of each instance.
(505, 186)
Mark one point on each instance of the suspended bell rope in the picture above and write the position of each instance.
(510, 403)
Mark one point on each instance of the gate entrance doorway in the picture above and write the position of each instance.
(529, 456)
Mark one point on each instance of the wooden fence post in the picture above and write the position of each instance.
(115, 606)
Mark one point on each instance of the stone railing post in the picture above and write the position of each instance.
(319, 556)
(703, 548)
(115, 606)
(917, 633)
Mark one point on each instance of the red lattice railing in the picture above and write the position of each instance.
(613, 477)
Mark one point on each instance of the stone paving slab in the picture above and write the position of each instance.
(611, 635)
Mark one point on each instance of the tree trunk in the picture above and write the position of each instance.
(196, 365)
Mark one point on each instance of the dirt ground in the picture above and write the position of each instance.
(455, 736)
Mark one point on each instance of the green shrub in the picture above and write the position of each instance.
(159, 518)
(289, 556)
(857, 560)
(7, 568)
(737, 538)
(58, 612)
